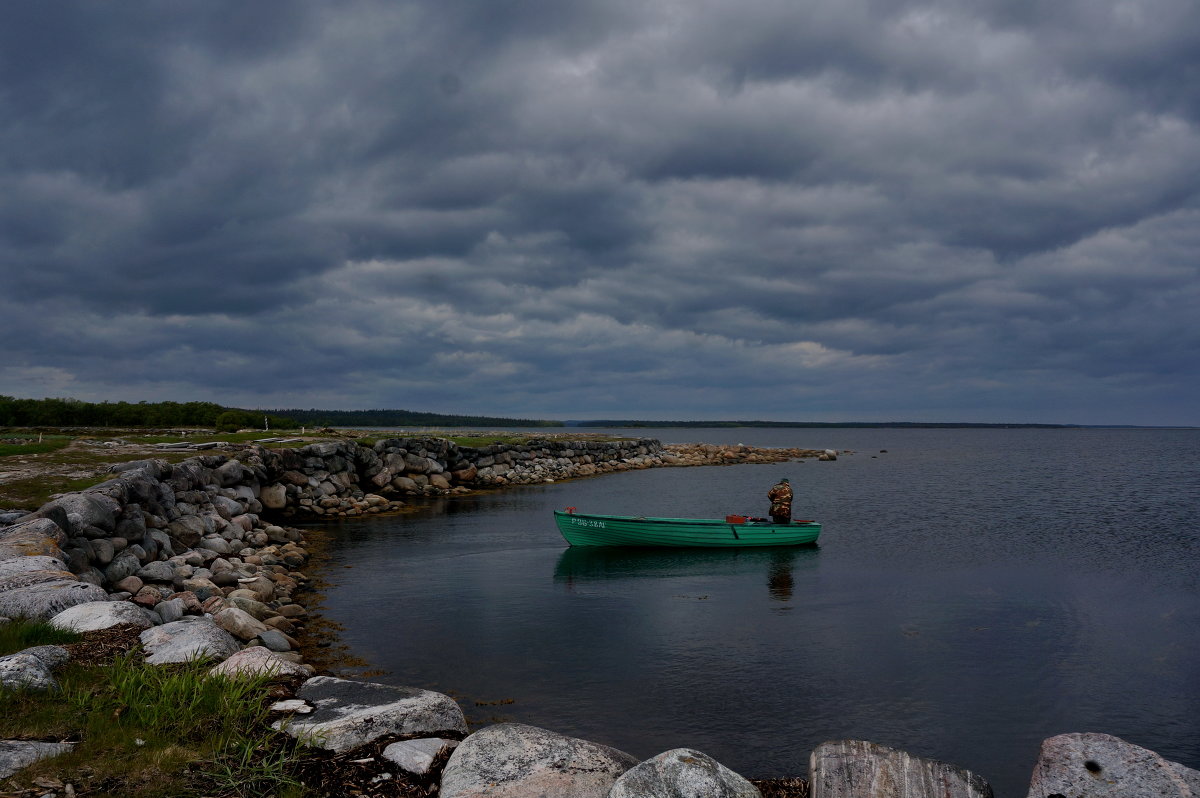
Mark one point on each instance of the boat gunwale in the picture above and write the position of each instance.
(685, 521)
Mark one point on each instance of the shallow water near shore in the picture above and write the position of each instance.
(973, 592)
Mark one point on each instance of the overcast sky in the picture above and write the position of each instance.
(956, 210)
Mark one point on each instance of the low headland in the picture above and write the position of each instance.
(177, 582)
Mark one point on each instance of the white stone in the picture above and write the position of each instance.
(681, 773)
(1104, 766)
(18, 754)
(100, 615)
(187, 639)
(257, 660)
(25, 672)
(512, 760)
(292, 705)
(861, 769)
(239, 623)
(46, 599)
(417, 756)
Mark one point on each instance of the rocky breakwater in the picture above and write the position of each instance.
(705, 454)
(160, 545)
(347, 478)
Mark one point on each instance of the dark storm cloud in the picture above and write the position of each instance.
(868, 208)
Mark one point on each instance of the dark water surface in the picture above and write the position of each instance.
(974, 592)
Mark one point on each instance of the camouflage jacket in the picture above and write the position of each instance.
(781, 499)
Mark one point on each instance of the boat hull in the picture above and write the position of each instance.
(618, 530)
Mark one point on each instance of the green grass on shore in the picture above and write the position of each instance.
(19, 635)
(12, 444)
(154, 731)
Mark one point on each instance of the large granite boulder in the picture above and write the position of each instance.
(349, 713)
(18, 754)
(1103, 766)
(89, 509)
(682, 773)
(512, 760)
(36, 537)
(39, 595)
(101, 615)
(187, 639)
(860, 769)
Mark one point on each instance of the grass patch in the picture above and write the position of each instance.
(229, 437)
(147, 731)
(20, 634)
(12, 446)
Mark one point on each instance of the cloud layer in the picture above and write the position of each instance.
(833, 210)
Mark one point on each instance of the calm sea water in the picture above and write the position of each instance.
(974, 592)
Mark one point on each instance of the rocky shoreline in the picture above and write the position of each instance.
(198, 557)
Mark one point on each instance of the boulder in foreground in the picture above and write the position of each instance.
(349, 713)
(18, 754)
(512, 760)
(1103, 766)
(682, 773)
(95, 615)
(184, 640)
(860, 769)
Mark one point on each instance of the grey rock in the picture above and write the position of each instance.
(48, 598)
(682, 773)
(231, 473)
(37, 537)
(239, 623)
(275, 640)
(153, 469)
(54, 657)
(130, 584)
(1104, 766)
(349, 714)
(215, 543)
(187, 529)
(861, 769)
(257, 660)
(103, 551)
(170, 610)
(417, 756)
(256, 609)
(289, 705)
(25, 672)
(512, 760)
(124, 564)
(16, 755)
(274, 497)
(100, 615)
(225, 579)
(226, 508)
(203, 588)
(187, 639)
(163, 540)
(38, 562)
(92, 509)
(157, 571)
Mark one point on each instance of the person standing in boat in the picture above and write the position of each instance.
(780, 495)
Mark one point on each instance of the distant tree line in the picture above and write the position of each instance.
(813, 424)
(76, 413)
(403, 418)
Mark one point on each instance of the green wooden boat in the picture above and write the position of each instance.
(732, 532)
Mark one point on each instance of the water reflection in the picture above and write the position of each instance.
(580, 564)
(779, 577)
